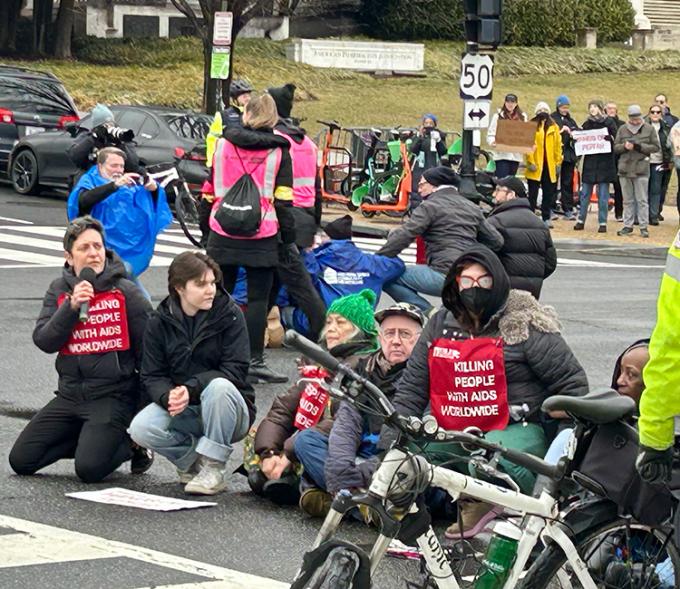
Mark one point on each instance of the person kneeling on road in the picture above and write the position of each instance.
(342, 459)
(98, 357)
(488, 350)
(194, 368)
(449, 224)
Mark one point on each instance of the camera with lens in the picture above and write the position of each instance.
(119, 134)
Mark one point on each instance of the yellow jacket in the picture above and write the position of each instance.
(551, 140)
(214, 134)
(660, 401)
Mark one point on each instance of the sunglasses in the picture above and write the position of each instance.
(655, 112)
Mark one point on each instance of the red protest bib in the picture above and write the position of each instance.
(106, 329)
(313, 399)
(467, 383)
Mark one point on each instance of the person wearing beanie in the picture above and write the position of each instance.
(428, 147)
(449, 224)
(340, 228)
(507, 163)
(100, 115)
(273, 470)
(528, 254)
(543, 165)
(567, 126)
(283, 97)
(599, 169)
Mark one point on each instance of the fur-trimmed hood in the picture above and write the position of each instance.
(521, 312)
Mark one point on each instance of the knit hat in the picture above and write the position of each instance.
(440, 176)
(357, 308)
(598, 103)
(542, 107)
(562, 100)
(340, 228)
(429, 115)
(101, 114)
(283, 97)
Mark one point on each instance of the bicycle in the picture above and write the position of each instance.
(573, 555)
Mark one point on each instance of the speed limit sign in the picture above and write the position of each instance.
(476, 76)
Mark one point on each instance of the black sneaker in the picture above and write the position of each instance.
(625, 231)
(141, 460)
(579, 226)
(661, 217)
(602, 229)
(653, 222)
(260, 372)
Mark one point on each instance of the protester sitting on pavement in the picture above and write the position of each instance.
(194, 369)
(487, 349)
(528, 254)
(612, 112)
(248, 158)
(270, 460)
(132, 214)
(449, 224)
(599, 169)
(635, 142)
(428, 147)
(93, 317)
(567, 126)
(543, 165)
(507, 163)
(659, 164)
(339, 460)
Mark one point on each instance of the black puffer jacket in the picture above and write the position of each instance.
(92, 376)
(218, 348)
(568, 149)
(528, 254)
(600, 167)
(538, 362)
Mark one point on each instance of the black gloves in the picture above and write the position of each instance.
(654, 466)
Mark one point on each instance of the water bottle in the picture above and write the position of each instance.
(500, 556)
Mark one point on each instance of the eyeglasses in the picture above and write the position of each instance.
(501, 189)
(405, 335)
(485, 281)
(655, 112)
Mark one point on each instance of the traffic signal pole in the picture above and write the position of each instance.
(468, 184)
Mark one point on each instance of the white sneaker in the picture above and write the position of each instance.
(186, 476)
(210, 479)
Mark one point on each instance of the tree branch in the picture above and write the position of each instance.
(183, 7)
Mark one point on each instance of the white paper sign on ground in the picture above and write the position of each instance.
(592, 142)
(128, 498)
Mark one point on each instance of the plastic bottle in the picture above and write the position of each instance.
(500, 556)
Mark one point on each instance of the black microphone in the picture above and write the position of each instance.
(90, 276)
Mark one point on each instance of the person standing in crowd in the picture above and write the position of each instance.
(544, 163)
(428, 147)
(240, 93)
(668, 116)
(671, 120)
(341, 460)
(674, 141)
(273, 469)
(659, 162)
(635, 142)
(98, 391)
(194, 368)
(255, 153)
(599, 169)
(449, 223)
(507, 163)
(567, 125)
(612, 111)
(528, 254)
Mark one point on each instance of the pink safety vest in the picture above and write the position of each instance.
(304, 156)
(263, 165)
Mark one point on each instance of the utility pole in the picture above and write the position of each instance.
(483, 34)
(220, 57)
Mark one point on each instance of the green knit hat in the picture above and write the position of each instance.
(357, 308)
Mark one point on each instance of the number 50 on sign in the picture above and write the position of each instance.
(476, 76)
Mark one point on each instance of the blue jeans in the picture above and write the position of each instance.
(416, 279)
(311, 449)
(655, 187)
(135, 279)
(602, 202)
(208, 429)
(558, 447)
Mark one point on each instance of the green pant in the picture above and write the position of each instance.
(526, 438)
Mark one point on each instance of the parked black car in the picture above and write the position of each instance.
(31, 101)
(161, 135)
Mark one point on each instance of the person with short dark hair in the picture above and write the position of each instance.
(98, 360)
(194, 368)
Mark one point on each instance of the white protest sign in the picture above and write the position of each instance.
(128, 498)
(592, 142)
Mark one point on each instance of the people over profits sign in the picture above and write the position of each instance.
(106, 328)
(467, 384)
(592, 142)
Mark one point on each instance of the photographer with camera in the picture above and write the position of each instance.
(428, 147)
(104, 133)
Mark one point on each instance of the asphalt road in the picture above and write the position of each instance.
(605, 297)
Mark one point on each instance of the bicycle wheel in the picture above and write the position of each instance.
(186, 212)
(337, 572)
(618, 554)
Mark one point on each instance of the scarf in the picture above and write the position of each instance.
(634, 128)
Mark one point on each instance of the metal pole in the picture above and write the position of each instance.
(468, 186)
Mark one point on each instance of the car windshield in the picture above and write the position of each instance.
(189, 125)
(34, 96)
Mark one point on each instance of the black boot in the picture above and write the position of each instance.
(141, 460)
(260, 372)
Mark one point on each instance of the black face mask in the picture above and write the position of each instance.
(475, 299)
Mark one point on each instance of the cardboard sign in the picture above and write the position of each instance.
(313, 399)
(106, 329)
(515, 136)
(467, 384)
(592, 142)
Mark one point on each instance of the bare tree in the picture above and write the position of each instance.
(64, 29)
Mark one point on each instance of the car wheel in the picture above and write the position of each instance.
(24, 172)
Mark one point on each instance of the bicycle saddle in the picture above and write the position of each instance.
(599, 407)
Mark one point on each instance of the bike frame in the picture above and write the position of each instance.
(538, 521)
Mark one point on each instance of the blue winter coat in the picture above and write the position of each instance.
(132, 219)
